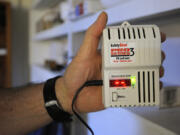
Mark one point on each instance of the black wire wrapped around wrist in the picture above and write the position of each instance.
(88, 83)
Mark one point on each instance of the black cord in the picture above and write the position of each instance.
(88, 83)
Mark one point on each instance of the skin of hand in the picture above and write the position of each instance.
(87, 66)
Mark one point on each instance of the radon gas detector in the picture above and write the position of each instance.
(130, 67)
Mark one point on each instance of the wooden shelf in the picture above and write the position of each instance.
(134, 9)
(57, 31)
(43, 4)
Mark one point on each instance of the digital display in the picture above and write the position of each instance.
(120, 83)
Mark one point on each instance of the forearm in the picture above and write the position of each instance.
(22, 110)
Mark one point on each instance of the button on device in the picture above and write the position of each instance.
(114, 96)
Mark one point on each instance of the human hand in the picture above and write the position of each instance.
(84, 67)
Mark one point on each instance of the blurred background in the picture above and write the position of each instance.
(39, 38)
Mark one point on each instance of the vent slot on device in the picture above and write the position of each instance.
(153, 86)
(119, 35)
(144, 88)
(124, 34)
(139, 87)
(149, 93)
(139, 33)
(144, 34)
(144, 91)
(129, 33)
(154, 34)
(109, 34)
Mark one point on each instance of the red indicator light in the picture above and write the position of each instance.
(117, 82)
(120, 83)
(123, 83)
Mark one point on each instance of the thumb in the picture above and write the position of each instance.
(92, 36)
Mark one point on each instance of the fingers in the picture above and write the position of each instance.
(163, 37)
(161, 71)
(92, 36)
(163, 56)
(161, 85)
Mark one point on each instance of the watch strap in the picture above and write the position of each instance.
(52, 105)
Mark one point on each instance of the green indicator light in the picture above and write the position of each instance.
(133, 80)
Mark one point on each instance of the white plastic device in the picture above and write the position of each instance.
(130, 67)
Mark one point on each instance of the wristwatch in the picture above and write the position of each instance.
(51, 103)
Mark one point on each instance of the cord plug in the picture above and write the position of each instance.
(94, 83)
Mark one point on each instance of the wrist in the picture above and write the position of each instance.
(62, 95)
